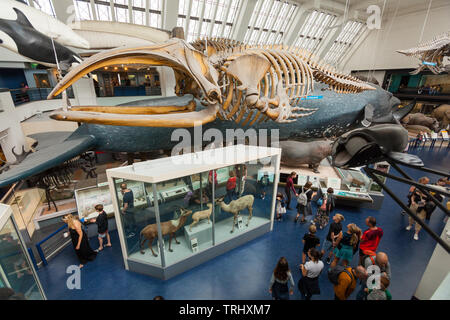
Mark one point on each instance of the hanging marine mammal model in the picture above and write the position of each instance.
(227, 86)
(29, 32)
(433, 55)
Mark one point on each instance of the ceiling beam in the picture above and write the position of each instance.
(188, 18)
(213, 20)
(94, 12)
(241, 24)
(224, 20)
(113, 11)
(147, 12)
(200, 17)
(130, 11)
(170, 14)
(271, 26)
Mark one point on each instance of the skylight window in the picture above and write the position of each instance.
(314, 30)
(348, 36)
(83, 10)
(270, 21)
(121, 7)
(208, 18)
(103, 12)
(45, 6)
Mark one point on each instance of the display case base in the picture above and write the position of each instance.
(143, 267)
(202, 231)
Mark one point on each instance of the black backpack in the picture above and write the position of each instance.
(333, 274)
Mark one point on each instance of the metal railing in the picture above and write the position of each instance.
(47, 249)
(21, 96)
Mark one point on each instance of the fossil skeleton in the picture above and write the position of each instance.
(431, 54)
(236, 82)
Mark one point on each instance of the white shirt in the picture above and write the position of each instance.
(313, 268)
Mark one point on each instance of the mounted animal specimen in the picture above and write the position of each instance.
(201, 215)
(442, 114)
(421, 120)
(296, 153)
(241, 83)
(236, 206)
(431, 54)
(170, 227)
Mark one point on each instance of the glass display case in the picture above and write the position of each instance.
(88, 198)
(204, 208)
(16, 270)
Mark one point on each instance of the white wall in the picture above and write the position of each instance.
(436, 271)
(400, 33)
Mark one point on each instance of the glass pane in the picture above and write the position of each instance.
(137, 211)
(185, 210)
(15, 270)
(45, 6)
(103, 12)
(244, 198)
(83, 10)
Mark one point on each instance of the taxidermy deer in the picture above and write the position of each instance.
(170, 227)
(201, 215)
(236, 206)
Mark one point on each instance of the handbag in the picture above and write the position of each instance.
(319, 202)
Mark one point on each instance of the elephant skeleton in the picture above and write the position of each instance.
(235, 82)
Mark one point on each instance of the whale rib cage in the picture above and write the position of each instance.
(237, 82)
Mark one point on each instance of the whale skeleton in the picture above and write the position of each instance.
(431, 54)
(236, 82)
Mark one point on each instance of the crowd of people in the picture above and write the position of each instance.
(338, 248)
(431, 90)
(341, 245)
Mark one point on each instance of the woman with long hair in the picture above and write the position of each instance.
(348, 245)
(279, 283)
(80, 240)
(309, 283)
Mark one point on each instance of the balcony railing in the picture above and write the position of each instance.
(21, 96)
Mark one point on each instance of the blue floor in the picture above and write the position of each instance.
(244, 272)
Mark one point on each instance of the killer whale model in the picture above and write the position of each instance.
(29, 32)
(282, 100)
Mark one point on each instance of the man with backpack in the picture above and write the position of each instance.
(304, 202)
(344, 280)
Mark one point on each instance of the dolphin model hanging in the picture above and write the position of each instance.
(29, 32)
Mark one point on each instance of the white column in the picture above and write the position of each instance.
(170, 14)
(11, 134)
(241, 23)
(84, 92)
(167, 81)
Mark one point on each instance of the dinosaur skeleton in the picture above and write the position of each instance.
(432, 53)
(234, 81)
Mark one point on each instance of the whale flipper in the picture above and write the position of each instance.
(47, 157)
